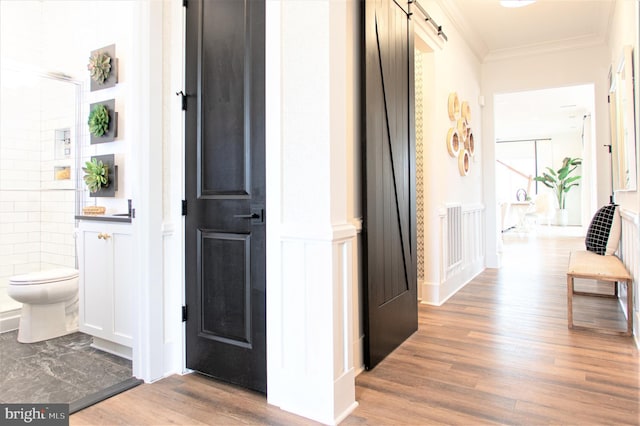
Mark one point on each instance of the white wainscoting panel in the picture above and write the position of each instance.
(629, 252)
(455, 275)
(314, 349)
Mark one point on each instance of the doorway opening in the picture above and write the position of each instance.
(535, 131)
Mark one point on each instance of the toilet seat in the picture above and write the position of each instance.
(44, 277)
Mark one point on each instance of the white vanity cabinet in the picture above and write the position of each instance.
(105, 262)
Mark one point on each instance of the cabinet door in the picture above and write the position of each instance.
(96, 269)
(123, 290)
(107, 293)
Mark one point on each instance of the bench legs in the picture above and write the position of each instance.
(571, 291)
(570, 300)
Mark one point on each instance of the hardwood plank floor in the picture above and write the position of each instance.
(498, 352)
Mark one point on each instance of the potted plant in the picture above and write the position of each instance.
(561, 181)
(96, 175)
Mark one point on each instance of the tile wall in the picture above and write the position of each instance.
(36, 211)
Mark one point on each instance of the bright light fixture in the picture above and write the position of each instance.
(516, 3)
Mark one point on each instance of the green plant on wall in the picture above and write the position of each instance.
(561, 181)
(96, 175)
(99, 66)
(99, 120)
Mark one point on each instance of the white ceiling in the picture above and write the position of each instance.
(495, 32)
(542, 113)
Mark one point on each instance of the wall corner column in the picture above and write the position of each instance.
(310, 242)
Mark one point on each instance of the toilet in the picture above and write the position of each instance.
(49, 303)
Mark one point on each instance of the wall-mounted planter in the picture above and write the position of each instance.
(460, 141)
(112, 130)
(463, 162)
(97, 82)
(453, 142)
(110, 190)
(470, 143)
(453, 107)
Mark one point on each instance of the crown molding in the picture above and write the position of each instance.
(544, 48)
(471, 37)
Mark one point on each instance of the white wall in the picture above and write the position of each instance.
(624, 31)
(311, 235)
(447, 67)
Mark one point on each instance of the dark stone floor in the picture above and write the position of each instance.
(60, 370)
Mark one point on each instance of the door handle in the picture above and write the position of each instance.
(247, 216)
(256, 216)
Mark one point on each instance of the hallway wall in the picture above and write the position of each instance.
(447, 67)
(625, 30)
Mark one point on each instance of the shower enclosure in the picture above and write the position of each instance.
(39, 138)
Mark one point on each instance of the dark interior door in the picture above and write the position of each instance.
(225, 191)
(390, 291)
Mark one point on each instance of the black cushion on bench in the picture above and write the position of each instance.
(603, 234)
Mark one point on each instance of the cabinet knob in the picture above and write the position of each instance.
(103, 236)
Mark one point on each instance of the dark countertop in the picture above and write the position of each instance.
(106, 218)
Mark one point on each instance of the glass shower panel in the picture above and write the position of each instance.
(38, 140)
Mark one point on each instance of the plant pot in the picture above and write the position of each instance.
(562, 217)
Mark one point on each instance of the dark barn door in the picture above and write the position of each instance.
(225, 191)
(390, 289)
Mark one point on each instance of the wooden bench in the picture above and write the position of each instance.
(589, 265)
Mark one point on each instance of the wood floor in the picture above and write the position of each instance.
(498, 352)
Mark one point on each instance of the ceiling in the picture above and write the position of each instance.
(542, 113)
(495, 32)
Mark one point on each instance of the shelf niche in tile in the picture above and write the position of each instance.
(62, 173)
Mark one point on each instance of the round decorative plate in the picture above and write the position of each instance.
(463, 162)
(454, 106)
(453, 142)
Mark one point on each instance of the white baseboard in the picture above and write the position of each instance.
(9, 320)
(438, 293)
(112, 348)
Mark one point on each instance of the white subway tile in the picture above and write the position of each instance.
(6, 270)
(13, 217)
(33, 216)
(14, 259)
(10, 238)
(27, 248)
(6, 227)
(34, 257)
(6, 206)
(26, 268)
(27, 206)
(26, 227)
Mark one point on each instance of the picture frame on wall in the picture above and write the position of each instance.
(103, 67)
